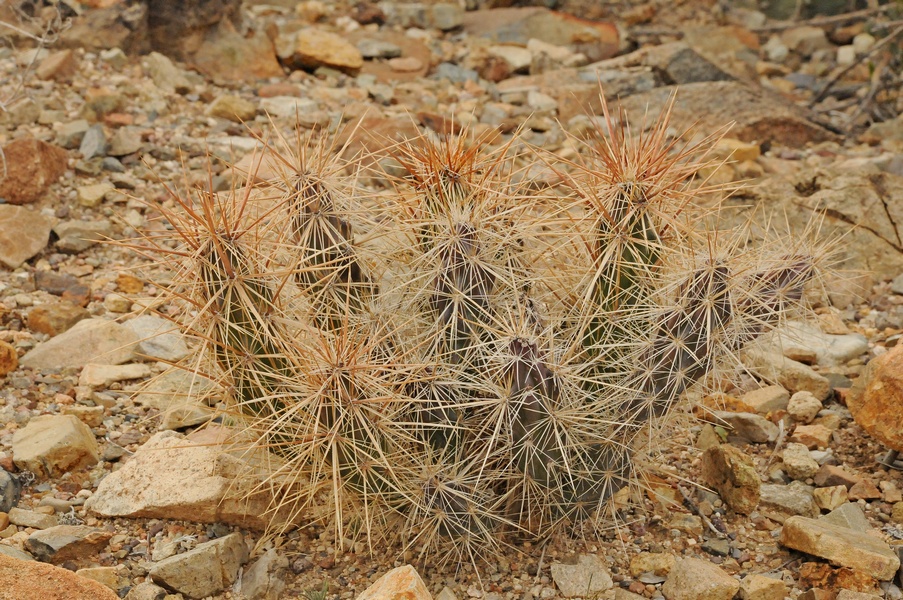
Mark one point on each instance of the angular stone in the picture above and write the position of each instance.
(67, 542)
(230, 56)
(76, 236)
(31, 579)
(830, 350)
(165, 74)
(160, 339)
(812, 436)
(108, 576)
(732, 474)
(657, 563)
(181, 396)
(790, 374)
(27, 518)
(798, 464)
(51, 445)
(695, 579)
(841, 546)
(125, 141)
(864, 490)
(587, 576)
(287, 106)
(834, 475)
(92, 195)
(90, 340)
(312, 48)
(9, 359)
(207, 570)
(55, 318)
(10, 490)
(829, 498)
(875, 403)
(848, 515)
(759, 587)
(146, 591)
(403, 583)
(793, 499)
(265, 579)
(767, 399)
(31, 166)
(59, 66)
(677, 62)
(23, 233)
(192, 479)
(96, 375)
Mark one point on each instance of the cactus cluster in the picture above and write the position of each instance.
(460, 358)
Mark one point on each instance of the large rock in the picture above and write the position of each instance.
(796, 338)
(31, 166)
(51, 445)
(876, 400)
(228, 56)
(91, 340)
(178, 29)
(311, 48)
(597, 40)
(585, 577)
(207, 570)
(841, 546)
(192, 479)
(695, 579)
(791, 375)
(23, 233)
(67, 542)
(787, 500)
(732, 474)
(758, 115)
(21, 579)
(121, 25)
(401, 583)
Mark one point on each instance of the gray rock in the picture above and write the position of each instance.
(94, 142)
(76, 236)
(446, 16)
(160, 339)
(14, 552)
(66, 542)
(830, 350)
(586, 577)
(793, 499)
(754, 428)
(70, 135)
(90, 340)
(207, 570)
(848, 515)
(288, 106)
(10, 490)
(790, 374)
(454, 73)
(265, 579)
(23, 233)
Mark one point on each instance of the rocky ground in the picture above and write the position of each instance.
(115, 478)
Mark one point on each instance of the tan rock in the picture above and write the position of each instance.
(31, 579)
(51, 445)
(9, 358)
(230, 56)
(798, 464)
(90, 340)
(791, 375)
(585, 576)
(95, 375)
(231, 108)
(812, 436)
(732, 473)
(401, 583)
(875, 403)
(312, 48)
(759, 587)
(193, 479)
(829, 498)
(29, 518)
(857, 550)
(766, 399)
(59, 66)
(695, 579)
(657, 563)
(31, 166)
(23, 233)
(803, 407)
(108, 576)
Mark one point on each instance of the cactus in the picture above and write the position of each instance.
(467, 359)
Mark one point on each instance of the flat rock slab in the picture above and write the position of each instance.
(695, 579)
(403, 583)
(796, 337)
(90, 340)
(23, 233)
(174, 477)
(841, 546)
(586, 577)
(96, 375)
(21, 579)
(758, 115)
(66, 542)
(204, 571)
(160, 339)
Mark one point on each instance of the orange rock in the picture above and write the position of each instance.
(826, 577)
(876, 403)
(31, 579)
(31, 166)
